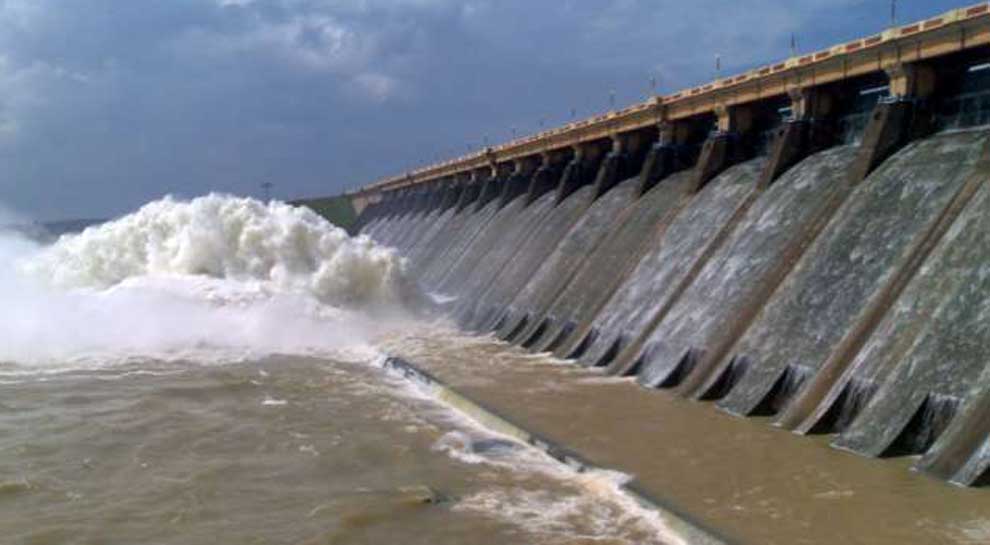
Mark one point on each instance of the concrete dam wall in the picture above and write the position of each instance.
(820, 257)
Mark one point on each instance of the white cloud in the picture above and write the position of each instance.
(379, 87)
(129, 97)
(32, 89)
(313, 41)
(20, 13)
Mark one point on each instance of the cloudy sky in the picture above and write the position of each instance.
(106, 104)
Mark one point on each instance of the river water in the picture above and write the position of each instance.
(742, 478)
(280, 450)
(208, 372)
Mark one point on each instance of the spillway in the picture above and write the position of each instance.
(731, 288)
(455, 241)
(815, 254)
(507, 306)
(477, 267)
(825, 301)
(671, 263)
(512, 264)
(852, 272)
(924, 368)
(515, 309)
(606, 267)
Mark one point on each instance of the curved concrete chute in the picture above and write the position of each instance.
(669, 260)
(961, 454)
(436, 215)
(937, 293)
(414, 229)
(731, 287)
(497, 242)
(496, 283)
(607, 266)
(457, 230)
(398, 222)
(851, 273)
(932, 348)
(537, 291)
(451, 243)
(428, 237)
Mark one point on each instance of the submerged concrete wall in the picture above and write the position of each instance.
(817, 256)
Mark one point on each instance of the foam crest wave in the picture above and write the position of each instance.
(290, 248)
(214, 279)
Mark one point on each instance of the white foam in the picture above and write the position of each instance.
(441, 298)
(596, 509)
(213, 280)
(287, 248)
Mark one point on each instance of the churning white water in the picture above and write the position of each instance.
(216, 276)
(106, 341)
(289, 248)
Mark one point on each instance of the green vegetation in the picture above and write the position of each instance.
(337, 210)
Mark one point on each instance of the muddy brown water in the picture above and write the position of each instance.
(283, 450)
(749, 481)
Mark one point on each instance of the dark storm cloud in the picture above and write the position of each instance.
(105, 104)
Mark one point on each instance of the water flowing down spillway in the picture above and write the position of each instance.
(924, 368)
(425, 242)
(819, 298)
(413, 230)
(462, 249)
(665, 269)
(450, 242)
(476, 267)
(513, 307)
(502, 283)
(387, 228)
(741, 275)
(605, 268)
(852, 266)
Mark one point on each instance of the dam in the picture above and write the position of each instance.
(806, 242)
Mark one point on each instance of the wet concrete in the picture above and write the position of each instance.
(739, 278)
(456, 243)
(559, 267)
(846, 278)
(495, 243)
(926, 362)
(672, 262)
(509, 267)
(607, 267)
(450, 242)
